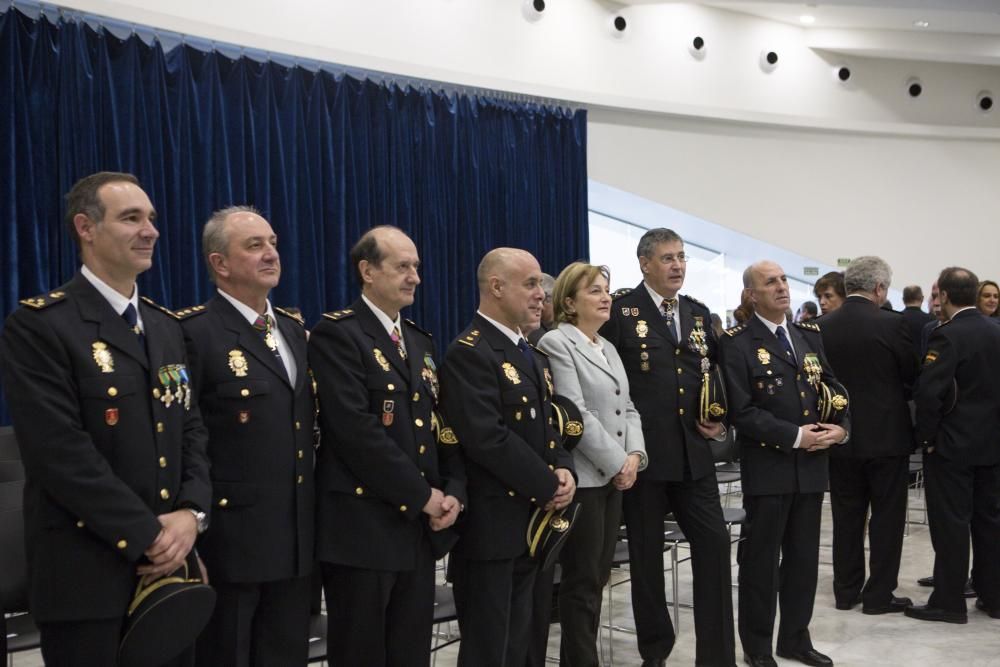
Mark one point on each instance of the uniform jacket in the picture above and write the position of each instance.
(665, 379)
(957, 410)
(769, 398)
(872, 354)
(611, 426)
(500, 408)
(916, 320)
(260, 445)
(377, 459)
(107, 444)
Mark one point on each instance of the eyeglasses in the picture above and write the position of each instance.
(679, 258)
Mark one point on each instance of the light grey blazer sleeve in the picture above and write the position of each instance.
(611, 425)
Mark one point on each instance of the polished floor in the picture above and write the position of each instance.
(851, 638)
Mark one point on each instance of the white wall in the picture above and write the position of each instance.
(920, 203)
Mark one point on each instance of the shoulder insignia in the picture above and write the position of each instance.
(149, 302)
(418, 327)
(619, 293)
(809, 326)
(539, 350)
(738, 329)
(44, 300)
(694, 301)
(292, 314)
(338, 315)
(471, 338)
(190, 311)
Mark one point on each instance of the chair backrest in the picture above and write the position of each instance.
(13, 563)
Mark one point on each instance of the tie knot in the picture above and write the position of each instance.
(130, 316)
(262, 323)
(523, 345)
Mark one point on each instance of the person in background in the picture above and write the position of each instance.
(587, 370)
(988, 299)
(829, 291)
(535, 331)
(807, 311)
(916, 318)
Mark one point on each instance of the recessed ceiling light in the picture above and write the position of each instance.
(807, 19)
(922, 24)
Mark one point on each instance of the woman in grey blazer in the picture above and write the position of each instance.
(586, 369)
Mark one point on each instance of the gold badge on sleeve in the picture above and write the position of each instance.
(238, 363)
(102, 357)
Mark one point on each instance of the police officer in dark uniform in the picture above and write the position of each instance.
(666, 343)
(113, 445)
(496, 394)
(248, 364)
(776, 375)
(958, 425)
(387, 495)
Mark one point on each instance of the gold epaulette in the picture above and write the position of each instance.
(539, 350)
(471, 339)
(738, 329)
(149, 302)
(418, 327)
(809, 326)
(43, 300)
(297, 316)
(619, 293)
(338, 315)
(190, 311)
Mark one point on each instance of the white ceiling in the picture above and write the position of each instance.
(958, 31)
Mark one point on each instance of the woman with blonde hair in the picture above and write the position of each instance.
(988, 299)
(586, 369)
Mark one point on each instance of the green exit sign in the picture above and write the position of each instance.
(843, 261)
(810, 270)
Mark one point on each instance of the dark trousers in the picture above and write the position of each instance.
(696, 506)
(90, 643)
(586, 565)
(499, 612)
(378, 618)
(257, 625)
(963, 499)
(779, 566)
(857, 484)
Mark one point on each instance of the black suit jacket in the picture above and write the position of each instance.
(500, 408)
(103, 452)
(769, 398)
(665, 381)
(872, 354)
(378, 459)
(260, 445)
(961, 368)
(916, 319)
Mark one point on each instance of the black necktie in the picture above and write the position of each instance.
(131, 318)
(526, 351)
(783, 339)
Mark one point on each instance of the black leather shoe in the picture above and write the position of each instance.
(969, 592)
(760, 661)
(808, 657)
(655, 662)
(925, 612)
(895, 606)
(992, 613)
(847, 606)
(926, 581)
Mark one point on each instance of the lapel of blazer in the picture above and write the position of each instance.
(247, 337)
(372, 327)
(111, 327)
(801, 345)
(292, 334)
(414, 354)
(588, 352)
(509, 351)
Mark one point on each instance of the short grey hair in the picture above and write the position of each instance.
(653, 238)
(548, 284)
(865, 273)
(214, 237)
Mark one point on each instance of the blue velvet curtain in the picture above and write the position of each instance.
(324, 157)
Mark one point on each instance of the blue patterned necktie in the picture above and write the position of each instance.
(783, 339)
(526, 351)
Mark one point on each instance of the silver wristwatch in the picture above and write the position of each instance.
(201, 518)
